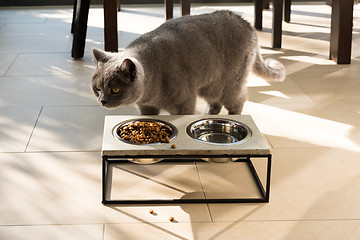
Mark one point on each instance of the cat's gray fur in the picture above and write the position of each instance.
(208, 55)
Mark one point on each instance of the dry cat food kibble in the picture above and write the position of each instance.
(145, 132)
(173, 146)
(171, 219)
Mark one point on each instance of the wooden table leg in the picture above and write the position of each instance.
(74, 16)
(277, 23)
(80, 28)
(110, 25)
(169, 4)
(266, 4)
(341, 31)
(287, 10)
(185, 7)
(258, 7)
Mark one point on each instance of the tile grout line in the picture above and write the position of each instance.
(12, 63)
(103, 235)
(304, 92)
(202, 188)
(32, 132)
(201, 222)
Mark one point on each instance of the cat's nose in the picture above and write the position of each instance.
(103, 102)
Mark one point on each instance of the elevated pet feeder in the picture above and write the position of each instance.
(233, 138)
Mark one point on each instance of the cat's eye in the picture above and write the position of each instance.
(97, 87)
(115, 90)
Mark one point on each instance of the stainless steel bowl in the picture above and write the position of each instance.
(145, 160)
(171, 127)
(219, 131)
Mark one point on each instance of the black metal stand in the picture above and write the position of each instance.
(264, 189)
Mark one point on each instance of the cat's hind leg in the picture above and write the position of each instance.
(214, 108)
(185, 107)
(210, 94)
(235, 100)
(148, 110)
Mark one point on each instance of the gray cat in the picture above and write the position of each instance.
(208, 55)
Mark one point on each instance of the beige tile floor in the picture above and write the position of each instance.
(51, 133)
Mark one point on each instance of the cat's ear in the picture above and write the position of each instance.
(101, 56)
(128, 69)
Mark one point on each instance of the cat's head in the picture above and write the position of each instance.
(117, 80)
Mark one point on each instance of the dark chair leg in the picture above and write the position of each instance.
(258, 6)
(287, 10)
(73, 19)
(110, 25)
(277, 23)
(185, 7)
(341, 31)
(80, 27)
(266, 4)
(168, 9)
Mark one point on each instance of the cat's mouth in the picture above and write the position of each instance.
(114, 104)
(117, 103)
(109, 105)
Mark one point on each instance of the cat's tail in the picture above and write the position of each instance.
(270, 69)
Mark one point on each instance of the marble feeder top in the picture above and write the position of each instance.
(185, 145)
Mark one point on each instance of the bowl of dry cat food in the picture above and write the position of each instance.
(145, 131)
(219, 131)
